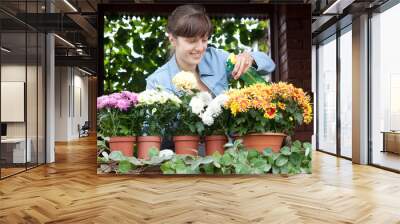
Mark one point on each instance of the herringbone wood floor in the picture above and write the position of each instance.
(69, 191)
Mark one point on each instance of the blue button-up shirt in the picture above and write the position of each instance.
(212, 70)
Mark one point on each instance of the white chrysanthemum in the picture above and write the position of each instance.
(173, 98)
(196, 105)
(185, 81)
(214, 109)
(199, 102)
(207, 118)
(167, 153)
(205, 97)
(149, 97)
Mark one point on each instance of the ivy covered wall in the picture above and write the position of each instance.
(134, 47)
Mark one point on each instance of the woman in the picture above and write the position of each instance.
(189, 29)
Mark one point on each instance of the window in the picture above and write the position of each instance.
(327, 96)
(346, 93)
(385, 88)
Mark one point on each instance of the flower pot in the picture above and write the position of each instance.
(261, 141)
(124, 144)
(215, 143)
(145, 143)
(186, 145)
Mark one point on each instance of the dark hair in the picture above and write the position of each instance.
(189, 21)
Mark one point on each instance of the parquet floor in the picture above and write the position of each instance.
(70, 191)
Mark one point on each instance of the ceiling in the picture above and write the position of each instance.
(76, 21)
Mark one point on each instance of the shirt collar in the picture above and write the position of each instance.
(173, 66)
(204, 67)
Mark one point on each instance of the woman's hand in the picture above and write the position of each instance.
(243, 62)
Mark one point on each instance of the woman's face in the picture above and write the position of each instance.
(189, 50)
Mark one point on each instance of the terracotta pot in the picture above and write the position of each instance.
(215, 143)
(124, 144)
(145, 143)
(186, 145)
(260, 141)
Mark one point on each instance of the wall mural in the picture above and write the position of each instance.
(196, 102)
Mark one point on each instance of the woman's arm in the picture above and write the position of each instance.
(264, 62)
(261, 61)
(151, 83)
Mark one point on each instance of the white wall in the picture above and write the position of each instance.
(61, 103)
(71, 94)
(33, 127)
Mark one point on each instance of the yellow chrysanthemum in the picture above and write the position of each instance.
(185, 81)
(260, 97)
(281, 106)
(232, 58)
(270, 113)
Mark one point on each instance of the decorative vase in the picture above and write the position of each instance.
(145, 143)
(261, 141)
(215, 143)
(186, 145)
(124, 144)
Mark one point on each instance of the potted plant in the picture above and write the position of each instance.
(188, 125)
(114, 120)
(215, 117)
(263, 114)
(156, 111)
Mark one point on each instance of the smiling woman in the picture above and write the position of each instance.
(189, 28)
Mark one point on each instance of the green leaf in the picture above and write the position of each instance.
(217, 164)
(252, 154)
(297, 144)
(135, 161)
(284, 170)
(270, 160)
(307, 145)
(285, 151)
(307, 152)
(124, 166)
(275, 170)
(295, 158)
(307, 170)
(242, 156)
(153, 152)
(281, 160)
(208, 168)
(226, 160)
(275, 156)
(216, 159)
(308, 148)
(267, 152)
(199, 127)
(194, 170)
(294, 149)
(181, 169)
(226, 170)
(166, 168)
(258, 163)
(267, 167)
(168, 171)
(117, 156)
(201, 160)
(237, 143)
(242, 169)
